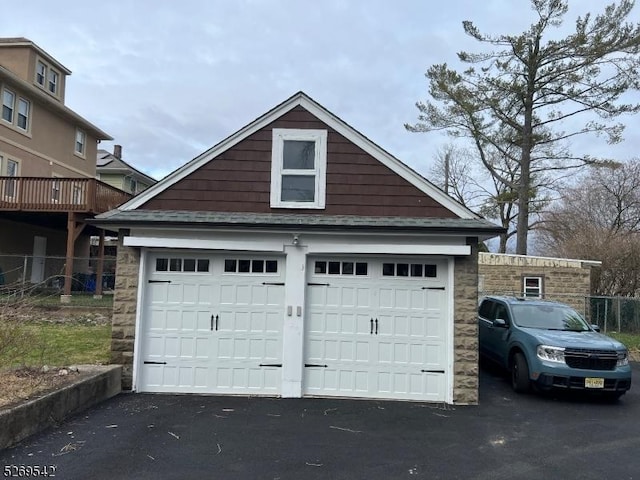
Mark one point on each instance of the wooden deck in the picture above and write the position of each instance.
(46, 194)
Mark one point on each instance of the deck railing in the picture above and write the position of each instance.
(45, 194)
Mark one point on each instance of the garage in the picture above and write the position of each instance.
(377, 328)
(298, 258)
(212, 324)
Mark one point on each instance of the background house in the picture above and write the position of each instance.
(113, 170)
(296, 257)
(47, 169)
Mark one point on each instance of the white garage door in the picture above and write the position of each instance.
(212, 324)
(377, 329)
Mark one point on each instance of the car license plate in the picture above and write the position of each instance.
(594, 383)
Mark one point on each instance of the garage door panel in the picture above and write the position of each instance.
(378, 332)
(210, 331)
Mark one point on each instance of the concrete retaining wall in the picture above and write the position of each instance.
(23, 420)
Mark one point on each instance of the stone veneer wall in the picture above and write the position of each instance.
(123, 324)
(563, 280)
(465, 328)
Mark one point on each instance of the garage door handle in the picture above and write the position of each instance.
(315, 365)
(155, 363)
(433, 288)
(159, 281)
(371, 331)
(376, 326)
(271, 365)
(432, 371)
(214, 322)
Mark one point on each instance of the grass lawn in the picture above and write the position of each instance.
(631, 340)
(54, 344)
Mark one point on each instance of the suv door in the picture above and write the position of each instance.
(485, 323)
(494, 339)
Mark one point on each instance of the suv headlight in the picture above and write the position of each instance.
(623, 359)
(551, 354)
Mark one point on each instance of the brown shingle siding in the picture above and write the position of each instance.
(239, 180)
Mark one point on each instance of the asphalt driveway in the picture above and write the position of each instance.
(508, 436)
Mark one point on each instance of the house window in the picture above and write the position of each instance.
(532, 287)
(298, 168)
(23, 114)
(133, 185)
(53, 82)
(11, 170)
(81, 139)
(41, 73)
(8, 105)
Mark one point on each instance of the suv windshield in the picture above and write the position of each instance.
(548, 317)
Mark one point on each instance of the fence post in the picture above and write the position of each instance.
(619, 316)
(606, 312)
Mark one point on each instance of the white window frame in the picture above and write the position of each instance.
(279, 136)
(41, 71)
(532, 292)
(53, 80)
(12, 107)
(27, 115)
(80, 151)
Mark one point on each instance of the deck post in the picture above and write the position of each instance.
(68, 268)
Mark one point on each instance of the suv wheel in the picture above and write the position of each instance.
(520, 374)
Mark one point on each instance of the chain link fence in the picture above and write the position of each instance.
(32, 273)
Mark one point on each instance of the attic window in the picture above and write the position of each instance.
(298, 168)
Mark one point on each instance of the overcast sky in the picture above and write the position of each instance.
(169, 79)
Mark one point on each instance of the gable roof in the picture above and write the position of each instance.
(107, 162)
(306, 102)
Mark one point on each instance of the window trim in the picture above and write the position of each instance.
(27, 116)
(53, 74)
(12, 107)
(44, 75)
(83, 152)
(540, 286)
(319, 137)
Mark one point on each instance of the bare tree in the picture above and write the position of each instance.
(599, 219)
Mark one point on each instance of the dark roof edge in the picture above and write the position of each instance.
(479, 230)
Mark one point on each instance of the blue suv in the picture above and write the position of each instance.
(549, 345)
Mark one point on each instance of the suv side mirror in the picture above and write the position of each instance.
(595, 327)
(500, 322)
